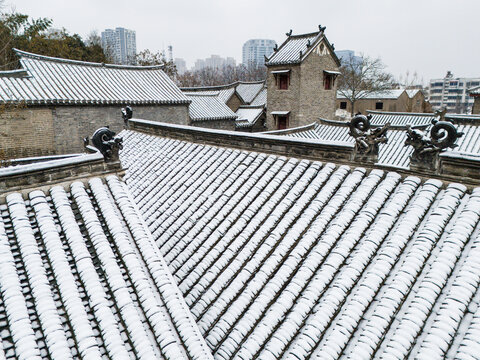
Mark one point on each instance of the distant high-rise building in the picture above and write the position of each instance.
(255, 50)
(120, 44)
(451, 93)
(346, 55)
(181, 65)
(199, 65)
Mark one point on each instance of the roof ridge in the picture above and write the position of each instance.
(25, 54)
(399, 113)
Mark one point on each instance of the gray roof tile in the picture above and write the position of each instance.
(290, 258)
(80, 276)
(208, 107)
(60, 81)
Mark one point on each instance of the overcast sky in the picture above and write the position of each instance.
(426, 36)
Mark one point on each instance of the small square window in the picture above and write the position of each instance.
(343, 105)
(379, 106)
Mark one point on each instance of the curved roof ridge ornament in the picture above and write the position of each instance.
(105, 141)
(367, 139)
(426, 149)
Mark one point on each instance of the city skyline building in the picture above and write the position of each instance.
(120, 44)
(214, 62)
(345, 55)
(452, 93)
(254, 51)
(181, 65)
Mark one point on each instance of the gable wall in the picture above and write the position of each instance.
(476, 105)
(234, 102)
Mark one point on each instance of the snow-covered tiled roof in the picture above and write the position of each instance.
(249, 90)
(293, 49)
(247, 116)
(246, 91)
(412, 92)
(290, 258)
(208, 107)
(81, 277)
(394, 153)
(261, 98)
(398, 118)
(60, 81)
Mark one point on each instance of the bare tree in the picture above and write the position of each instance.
(361, 78)
(148, 58)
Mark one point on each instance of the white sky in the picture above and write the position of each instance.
(426, 36)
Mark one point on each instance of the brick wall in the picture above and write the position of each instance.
(315, 101)
(216, 124)
(26, 132)
(283, 100)
(397, 105)
(234, 102)
(38, 131)
(73, 123)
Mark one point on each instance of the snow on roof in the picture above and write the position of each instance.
(261, 98)
(81, 277)
(60, 81)
(289, 51)
(412, 92)
(398, 118)
(248, 116)
(208, 107)
(248, 91)
(394, 153)
(281, 257)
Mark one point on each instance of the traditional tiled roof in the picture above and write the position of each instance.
(412, 92)
(249, 90)
(246, 91)
(394, 153)
(81, 277)
(397, 118)
(247, 116)
(289, 258)
(208, 107)
(261, 98)
(385, 95)
(60, 81)
(289, 51)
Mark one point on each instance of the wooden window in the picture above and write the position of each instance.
(282, 122)
(283, 80)
(328, 81)
(379, 105)
(343, 105)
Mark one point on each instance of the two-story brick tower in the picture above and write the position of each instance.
(301, 81)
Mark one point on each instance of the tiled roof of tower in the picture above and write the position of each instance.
(288, 258)
(80, 277)
(289, 51)
(247, 116)
(208, 107)
(60, 81)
